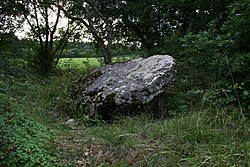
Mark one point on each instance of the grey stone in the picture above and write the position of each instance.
(121, 85)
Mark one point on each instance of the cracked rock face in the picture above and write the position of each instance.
(119, 85)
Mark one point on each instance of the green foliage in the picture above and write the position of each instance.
(79, 50)
(206, 136)
(238, 24)
(48, 39)
(9, 16)
(24, 142)
(210, 61)
(204, 54)
(208, 105)
(38, 59)
(150, 22)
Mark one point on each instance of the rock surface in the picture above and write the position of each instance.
(120, 85)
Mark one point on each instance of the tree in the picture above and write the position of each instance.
(10, 18)
(51, 41)
(237, 30)
(238, 24)
(100, 26)
(147, 22)
(150, 22)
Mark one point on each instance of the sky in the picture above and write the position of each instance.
(22, 32)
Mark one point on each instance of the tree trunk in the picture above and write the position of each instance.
(107, 56)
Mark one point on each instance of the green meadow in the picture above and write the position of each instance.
(85, 63)
(79, 63)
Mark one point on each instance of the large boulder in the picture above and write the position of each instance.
(122, 85)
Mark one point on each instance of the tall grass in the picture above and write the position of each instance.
(32, 108)
(198, 135)
(197, 139)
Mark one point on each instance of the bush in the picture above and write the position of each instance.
(210, 61)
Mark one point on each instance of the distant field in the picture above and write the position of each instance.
(79, 63)
(82, 63)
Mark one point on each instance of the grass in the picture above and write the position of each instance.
(190, 140)
(201, 137)
(84, 64)
(79, 63)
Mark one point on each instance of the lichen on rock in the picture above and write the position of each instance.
(121, 85)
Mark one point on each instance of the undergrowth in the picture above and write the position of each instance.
(202, 138)
(24, 141)
(34, 112)
(29, 106)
